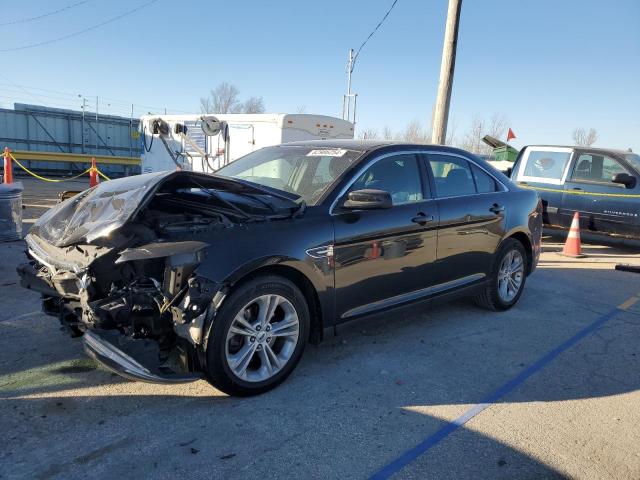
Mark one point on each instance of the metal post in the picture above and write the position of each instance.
(97, 152)
(84, 107)
(441, 111)
(130, 132)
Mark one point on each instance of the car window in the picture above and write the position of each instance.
(452, 176)
(305, 171)
(485, 183)
(544, 165)
(399, 175)
(592, 167)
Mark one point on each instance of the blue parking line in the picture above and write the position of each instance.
(410, 455)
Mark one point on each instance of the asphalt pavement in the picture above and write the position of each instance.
(549, 389)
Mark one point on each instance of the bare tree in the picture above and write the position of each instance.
(225, 99)
(253, 105)
(473, 138)
(387, 133)
(301, 109)
(583, 138)
(368, 134)
(415, 133)
(451, 139)
(206, 105)
(496, 127)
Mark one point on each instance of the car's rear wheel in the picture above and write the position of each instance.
(507, 279)
(258, 336)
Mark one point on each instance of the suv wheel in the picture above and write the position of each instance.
(507, 279)
(257, 337)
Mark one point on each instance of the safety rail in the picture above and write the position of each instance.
(73, 157)
(93, 171)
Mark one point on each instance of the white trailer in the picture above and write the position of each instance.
(205, 143)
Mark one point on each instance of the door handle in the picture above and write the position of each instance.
(422, 219)
(495, 208)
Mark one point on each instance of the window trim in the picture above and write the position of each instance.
(418, 154)
(596, 182)
(552, 181)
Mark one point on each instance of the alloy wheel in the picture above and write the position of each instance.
(510, 275)
(262, 338)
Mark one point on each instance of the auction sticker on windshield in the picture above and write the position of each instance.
(327, 152)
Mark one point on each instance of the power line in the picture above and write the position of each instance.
(48, 14)
(79, 32)
(372, 33)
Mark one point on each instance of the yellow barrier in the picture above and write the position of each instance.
(55, 180)
(73, 157)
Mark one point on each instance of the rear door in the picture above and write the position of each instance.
(604, 206)
(472, 206)
(545, 169)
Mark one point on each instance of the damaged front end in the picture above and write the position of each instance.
(119, 266)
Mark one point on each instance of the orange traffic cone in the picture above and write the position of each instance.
(93, 174)
(572, 247)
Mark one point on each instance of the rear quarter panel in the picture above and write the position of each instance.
(524, 216)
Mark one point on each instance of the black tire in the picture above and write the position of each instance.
(490, 298)
(217, 369)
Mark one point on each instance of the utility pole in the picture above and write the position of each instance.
(349, 98)
(441, 110)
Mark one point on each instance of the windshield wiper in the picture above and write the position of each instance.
(242, 213)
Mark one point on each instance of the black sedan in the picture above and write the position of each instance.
(172, 276)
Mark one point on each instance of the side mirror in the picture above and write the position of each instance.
(625, 179)
(368, 199)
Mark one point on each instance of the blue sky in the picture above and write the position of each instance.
(548, 66)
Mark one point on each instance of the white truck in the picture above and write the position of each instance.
(205, 143)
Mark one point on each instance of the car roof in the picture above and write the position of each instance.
(615, 151)
(367, 145)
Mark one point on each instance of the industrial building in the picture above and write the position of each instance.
(59, 132)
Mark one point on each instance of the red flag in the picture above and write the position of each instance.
(510, 135)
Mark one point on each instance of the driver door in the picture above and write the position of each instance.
(386, 257)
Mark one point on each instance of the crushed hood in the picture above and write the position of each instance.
(100, 210)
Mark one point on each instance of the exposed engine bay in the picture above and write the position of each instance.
(136, 286)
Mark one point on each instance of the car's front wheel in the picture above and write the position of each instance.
(258, 336)
(507, 279)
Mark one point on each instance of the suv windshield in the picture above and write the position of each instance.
(304, 171)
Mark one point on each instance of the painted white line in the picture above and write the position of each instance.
(20, 317)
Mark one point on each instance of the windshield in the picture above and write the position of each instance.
(305, 171)
(634, 160)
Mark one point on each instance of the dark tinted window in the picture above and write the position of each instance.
(399, 175)
(596, 168)
(484, 182)
(452, 175)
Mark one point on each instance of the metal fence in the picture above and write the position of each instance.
(43, 129)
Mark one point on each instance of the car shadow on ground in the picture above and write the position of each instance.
(354, 404)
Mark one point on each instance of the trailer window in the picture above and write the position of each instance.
(304, 171)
